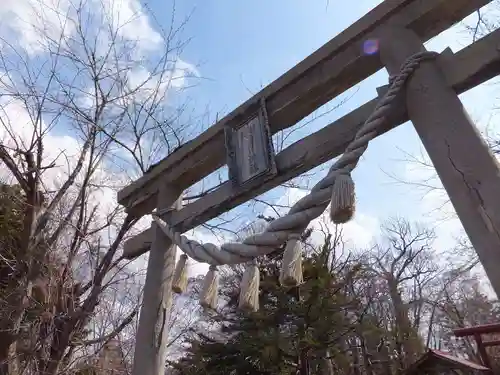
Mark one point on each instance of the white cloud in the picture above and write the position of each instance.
(131, 22)
(181, 71)
(144, 83)
(22, 24)
(16, 122)
(29, 22)
(62, 150)
(65, 149)
(358, 233)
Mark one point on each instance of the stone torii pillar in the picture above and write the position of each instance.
(468, 170)
(152, 333)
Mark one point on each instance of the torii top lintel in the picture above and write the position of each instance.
(329, 71)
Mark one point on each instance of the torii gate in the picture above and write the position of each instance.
(467, 169)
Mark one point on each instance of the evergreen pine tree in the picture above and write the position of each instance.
(294, 330)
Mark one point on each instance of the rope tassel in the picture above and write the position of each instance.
(179, 284)
(249, 289)
(208, 298)
(343, 201)
(291, 269)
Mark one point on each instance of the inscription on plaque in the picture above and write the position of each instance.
(250, 153)
(249, 160)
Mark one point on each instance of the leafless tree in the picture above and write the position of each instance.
(402, 266)
(84, 108)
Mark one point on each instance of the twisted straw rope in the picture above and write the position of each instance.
(311, 206)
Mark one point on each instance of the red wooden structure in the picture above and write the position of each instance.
(477, 332)
(437, 362)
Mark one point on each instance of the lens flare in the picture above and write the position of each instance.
(370, 46)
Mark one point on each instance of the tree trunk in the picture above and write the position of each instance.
(406, 335)
(304, 368)
(5, 341)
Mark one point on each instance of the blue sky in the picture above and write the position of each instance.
(239, 47)
(242, 46)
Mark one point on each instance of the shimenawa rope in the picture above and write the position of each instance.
(337, 188)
